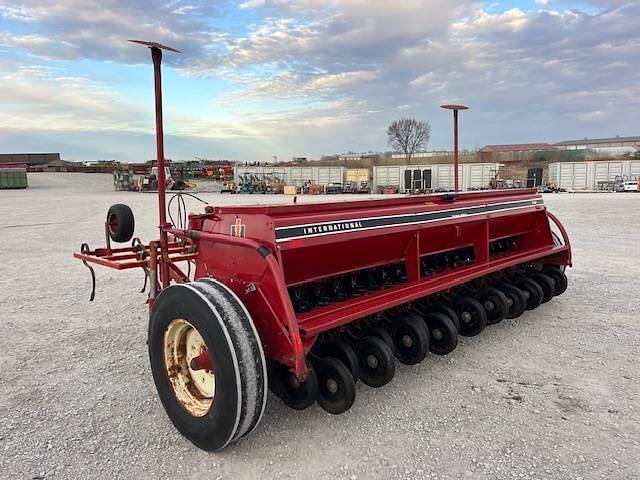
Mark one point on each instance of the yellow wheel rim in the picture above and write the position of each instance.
(193, 389)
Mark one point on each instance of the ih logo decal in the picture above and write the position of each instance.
(238, 230)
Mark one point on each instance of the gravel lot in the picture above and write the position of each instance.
(553, 394)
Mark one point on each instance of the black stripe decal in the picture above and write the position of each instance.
(325, 228)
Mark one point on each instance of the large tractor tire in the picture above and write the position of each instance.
(207, 363)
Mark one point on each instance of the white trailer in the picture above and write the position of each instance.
(272, 173)
(577, 176)
(386, 177)
(434, 177)
(300, 175)
(444, 178)
(297, 176)
(479, 175)
(327, 175)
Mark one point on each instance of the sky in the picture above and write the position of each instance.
(259, 79)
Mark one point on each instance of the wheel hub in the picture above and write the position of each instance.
(112, 223)
(184, 350)
(332, 385)
(294, 382)
(489, 305)
(407, 341)
(466, 317)
(372, 361)
(437, 334)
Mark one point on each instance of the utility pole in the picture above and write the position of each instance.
(456, 109)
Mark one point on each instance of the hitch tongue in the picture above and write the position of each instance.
(84, 248)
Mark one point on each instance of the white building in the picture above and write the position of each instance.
(359, 156)
(575, 176)
(436, 153)
(615, 145)
(433, 177)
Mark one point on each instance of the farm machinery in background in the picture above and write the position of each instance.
(361, 186)
(308, 299)
(626, 183)
(144, 176)
(149, 183)
(124, 179)
(357, 181)
(221, 171)
(261, 183)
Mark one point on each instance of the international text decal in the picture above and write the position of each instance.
(332, 227)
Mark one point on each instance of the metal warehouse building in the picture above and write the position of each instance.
(434, 177)
(630, 143)
(29, 158)
(586, 175)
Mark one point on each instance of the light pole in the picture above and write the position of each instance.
(456, 109)
(156, 56)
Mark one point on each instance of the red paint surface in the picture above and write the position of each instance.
(261, 278)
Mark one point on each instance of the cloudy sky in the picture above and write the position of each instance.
(264, 78)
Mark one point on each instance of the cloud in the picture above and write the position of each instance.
(314, 76)
(92, 29)
(551, 68)
(41, 97)
(291, 6)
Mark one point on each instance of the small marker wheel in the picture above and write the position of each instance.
(120, 223)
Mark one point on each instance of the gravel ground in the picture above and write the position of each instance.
(553, 394)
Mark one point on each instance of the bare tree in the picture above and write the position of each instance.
(408, 135)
